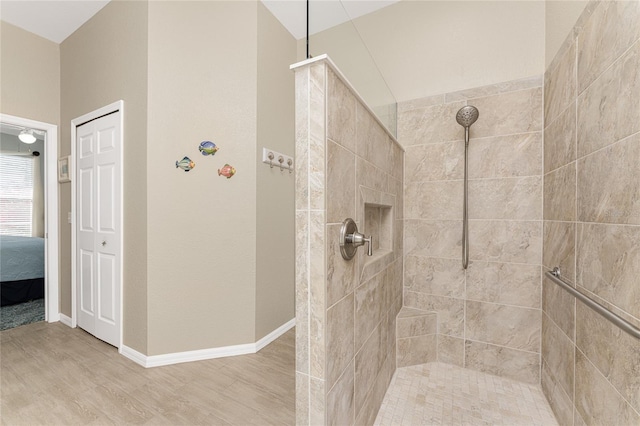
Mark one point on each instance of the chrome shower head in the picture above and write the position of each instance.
(467, 115)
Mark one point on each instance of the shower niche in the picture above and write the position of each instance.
(378, 222)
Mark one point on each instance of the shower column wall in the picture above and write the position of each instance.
(347, 165)
(590, 368)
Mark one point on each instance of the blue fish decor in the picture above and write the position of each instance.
(208, 148)
(185, 164)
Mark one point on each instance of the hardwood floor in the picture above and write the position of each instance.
(55, 375)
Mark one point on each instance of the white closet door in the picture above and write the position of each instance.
(98, 227)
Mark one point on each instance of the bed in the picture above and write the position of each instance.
(21, 269)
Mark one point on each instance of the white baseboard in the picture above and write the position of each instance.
(202, 354)
(66, 320)
(275, 334)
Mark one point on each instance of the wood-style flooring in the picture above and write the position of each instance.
(54, 375)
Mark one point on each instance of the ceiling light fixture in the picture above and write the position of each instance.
(27, 136)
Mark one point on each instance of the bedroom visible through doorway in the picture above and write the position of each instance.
(28, 222)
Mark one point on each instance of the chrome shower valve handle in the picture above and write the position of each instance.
(351, 239)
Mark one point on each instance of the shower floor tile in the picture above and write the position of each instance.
(444, 394)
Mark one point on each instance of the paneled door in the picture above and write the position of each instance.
(98, 222)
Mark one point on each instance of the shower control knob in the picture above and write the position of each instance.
(351, 239)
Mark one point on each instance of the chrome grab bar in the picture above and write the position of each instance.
(618, 321)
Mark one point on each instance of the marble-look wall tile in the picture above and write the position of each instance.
(341, 113)
(608, 263)
(341, 274)
(598, 401)
(505, 156)
(560, 194)
(317, 136)
(341, 183)
(503, 362)
(302, 398)
(366, 415)
(515, 198)
(450, 311)
(302, 292)
(508, 113)
(340, 401)
(437, 238)
(417, 350)
(618, 90)
(505, 241)
(302, 140)
(614, 24)
(415, 322)
(560, 140)
(559, 306)
(451, 350)
(441, 277)
(368, 363)
(615, 353)
(317, 299)
(317, 401)
(370, 176)
(369, 301)
(430, 124)
(339, 340)
(511, 326)
(560, 85)
(608, 189)
(372, 142)
(559, 248)
(420, 103)
(372, 225)
(437, 161)
(558, 352)
(397, 169)
(559, 401)
(434, 200)
(494, 89)
(506, 283)
(393, 283)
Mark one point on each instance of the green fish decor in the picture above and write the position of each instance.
(185, 164)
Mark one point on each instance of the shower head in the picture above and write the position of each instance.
(467, 115)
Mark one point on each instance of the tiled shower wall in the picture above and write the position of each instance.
(590, 368)
(488, 315)
(345, 310)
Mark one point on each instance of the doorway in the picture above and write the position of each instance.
(50, 189)
(96, 204)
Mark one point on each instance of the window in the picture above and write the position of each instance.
(16, 195)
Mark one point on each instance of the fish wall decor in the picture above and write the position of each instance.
(208, 148)
(227, 171)
(185, 164)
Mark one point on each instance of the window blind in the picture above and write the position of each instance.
(16, 194)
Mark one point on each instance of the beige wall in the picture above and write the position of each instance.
(430, 47)
(105, 60)
(29, 75)
(202, 227)
(559, 17)
(346, 310)
(274, 189)
(592, 218)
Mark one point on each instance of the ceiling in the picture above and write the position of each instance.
(56, 20)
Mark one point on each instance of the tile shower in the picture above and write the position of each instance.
(554, 181)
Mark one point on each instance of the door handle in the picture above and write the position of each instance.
(104, 243)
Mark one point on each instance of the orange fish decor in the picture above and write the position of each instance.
(227, 171)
